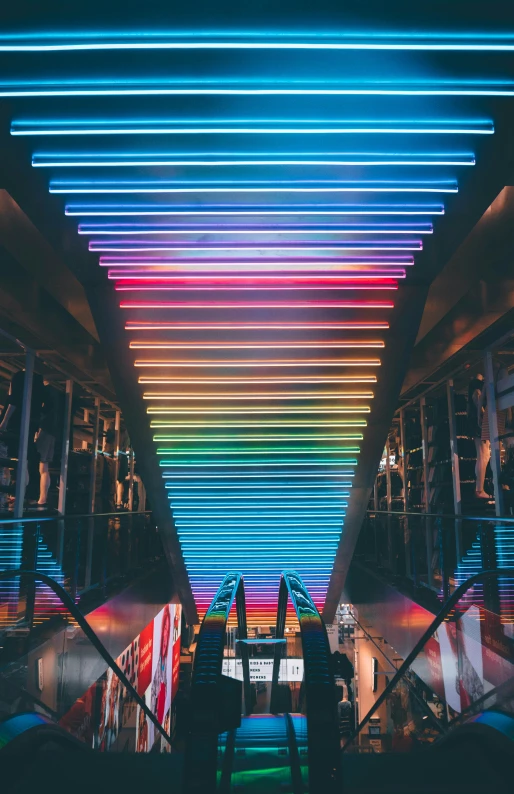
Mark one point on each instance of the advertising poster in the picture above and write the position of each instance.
(497, 650)
(434, 667)
(447, 636)
(158, 673)
(106, 714)
(144, 675)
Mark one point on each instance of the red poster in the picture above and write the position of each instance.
(144, 677)
(435, 667)
(175, 670)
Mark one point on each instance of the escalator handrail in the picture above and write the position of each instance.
(211, 640)
(70, 605)
(201, 754)
(322, 724)
(440, 618)
(294, 756)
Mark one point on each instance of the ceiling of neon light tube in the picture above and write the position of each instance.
(257, 201)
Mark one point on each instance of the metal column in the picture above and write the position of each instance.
(490, 387)
(21, 474)
(94, 459)
(454, 454)
(388, 476)
(131, 481)
(426, 490)
(402, 455)
(452, 424)
(117, 427)
(65, 449)
(424, 446)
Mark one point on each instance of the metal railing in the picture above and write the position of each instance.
(433, 551)
(447, 610)
(87, 555)
(69, 605)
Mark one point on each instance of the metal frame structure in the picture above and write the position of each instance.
(69, 604)
(96, 413)
(447, 612)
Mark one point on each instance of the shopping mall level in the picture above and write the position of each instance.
(256, 398)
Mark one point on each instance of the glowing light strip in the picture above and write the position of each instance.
(184, 268)
(263, 186)
(355, 272)
(213, 280)
(328, 480)
(262, 437)
(263, 396)
(140, 285)
(407, 245)
(310, 423)
(250, 127)
(190, 520)
(258, 304)
(279, 345)
(262, 463)
(213, 159)
(335, 474)
(239, 379)
(57, 41)
(299, 362)
(305, 263)
(287, 229)
(137, 325)
(108, 210)
(301, 499)
(363, 409)
(251, 87)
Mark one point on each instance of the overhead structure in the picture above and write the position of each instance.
(260, 204)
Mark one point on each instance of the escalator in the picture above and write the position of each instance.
(278, 751)
(263, 755)
(229, 748)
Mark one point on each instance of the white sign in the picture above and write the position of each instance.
(333, 636)
(262, 669)
(40, 676)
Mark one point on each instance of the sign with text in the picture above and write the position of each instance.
(262, 669)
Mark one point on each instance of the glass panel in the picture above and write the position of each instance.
(466, 667)
(59, 673)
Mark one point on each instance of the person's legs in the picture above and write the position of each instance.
(483, 449)
(44, 482)
(45, 445)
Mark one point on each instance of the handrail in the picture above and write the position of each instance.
(63, 517)
(453, 516)
(206, 686)
(322, 723)
(70, 605)
(440, 617)
(294, 756)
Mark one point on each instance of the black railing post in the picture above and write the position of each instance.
(32, 534)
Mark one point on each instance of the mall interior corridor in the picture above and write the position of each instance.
(256, 397)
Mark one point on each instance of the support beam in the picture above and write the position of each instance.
(21, 471)
(490, 387)
(65, 449)
(94, 459)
